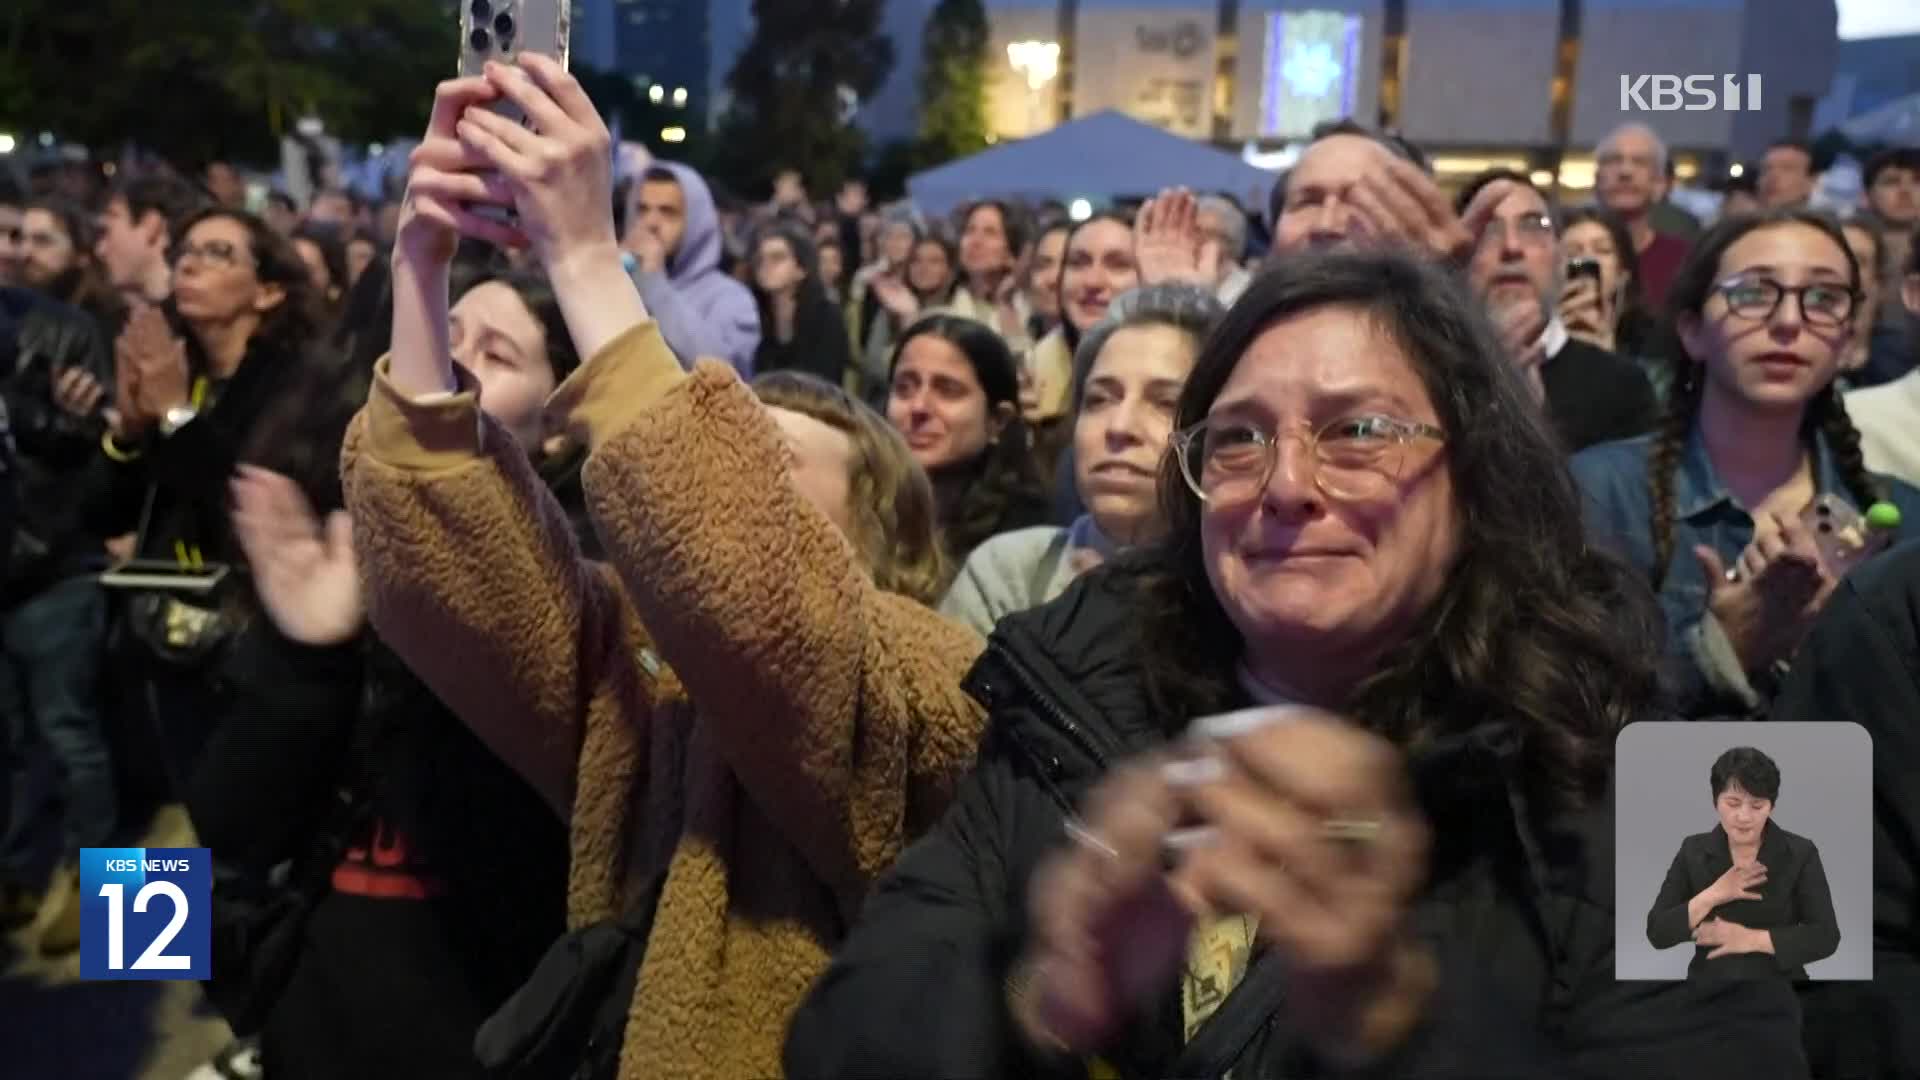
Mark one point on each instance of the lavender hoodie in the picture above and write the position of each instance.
(701, 311)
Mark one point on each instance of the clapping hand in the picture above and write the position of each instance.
(303, 569)
(1168, 244)
(894, 295)
(150, 363)
(1309, 828)
(1522, 326)
(1769, 600)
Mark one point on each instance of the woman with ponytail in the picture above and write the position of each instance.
(1720, 506)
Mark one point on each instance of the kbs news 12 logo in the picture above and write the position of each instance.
(143, 913)
(1689, 93)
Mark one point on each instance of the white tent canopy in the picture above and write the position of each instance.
(1104, 156)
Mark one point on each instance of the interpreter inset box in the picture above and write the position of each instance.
(1743, 850)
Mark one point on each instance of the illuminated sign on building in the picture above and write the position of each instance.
(1311, 71)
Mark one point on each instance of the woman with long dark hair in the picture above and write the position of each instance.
(1127, 380)
(1718, 509)
(800, 328)
(1400, 859)
(954, 396)
(1098, 265)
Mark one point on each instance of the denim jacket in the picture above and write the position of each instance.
(1701, 669)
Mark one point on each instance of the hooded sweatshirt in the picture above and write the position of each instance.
(701, 311)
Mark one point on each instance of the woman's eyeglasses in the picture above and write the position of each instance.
(1822, 303)
(213, 253)
(1358, 457)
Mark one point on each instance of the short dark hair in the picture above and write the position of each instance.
(659, 174)
(172, 199)
(283, 200)
(1753, 771)
(1899, 157)
(1801, 145)
(1480, 181)
(1394, 144)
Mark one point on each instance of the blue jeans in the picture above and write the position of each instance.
(51, 651)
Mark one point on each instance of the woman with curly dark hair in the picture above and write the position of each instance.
(1398, 857)
(954, 397)
(1720, 508)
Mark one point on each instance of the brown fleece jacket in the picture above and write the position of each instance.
(733, 699)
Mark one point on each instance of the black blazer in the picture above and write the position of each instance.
(1795, 905)
(1594, 396)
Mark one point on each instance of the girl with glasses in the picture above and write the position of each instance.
(1717, 509)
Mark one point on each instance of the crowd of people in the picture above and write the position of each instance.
(600, 625)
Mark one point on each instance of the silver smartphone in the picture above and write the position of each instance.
(503, 29)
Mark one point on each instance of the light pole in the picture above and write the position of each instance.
(1039, 61)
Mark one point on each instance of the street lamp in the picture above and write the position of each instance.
(1039, 61)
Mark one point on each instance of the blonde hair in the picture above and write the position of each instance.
(895, 518)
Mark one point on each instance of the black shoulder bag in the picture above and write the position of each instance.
(570, 1018)
(258, 923)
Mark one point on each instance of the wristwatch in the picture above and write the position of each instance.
(177, 418)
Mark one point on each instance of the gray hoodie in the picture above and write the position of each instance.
(701, 311)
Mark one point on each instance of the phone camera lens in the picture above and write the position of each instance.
(1826, 526)
(482, 9)
(1823, 510)
(480, 39)
(503, 25)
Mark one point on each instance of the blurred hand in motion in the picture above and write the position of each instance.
(121, 548)
(1316, 834)
(1107, 932)
(152, 362)
(77, 392)
(1168, 244)
(1725, 938)
(1400, 204)
(1522, 326)
(1770, 598)
(303, 568)
(445, 180)
(894, 295)
(558, 168)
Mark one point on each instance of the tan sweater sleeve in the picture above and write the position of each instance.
(474, 577)
(766, 613)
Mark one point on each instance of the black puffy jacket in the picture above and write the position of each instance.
(1861, 664)
(1519, 908)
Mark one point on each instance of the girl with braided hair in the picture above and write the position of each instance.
(1710, 506)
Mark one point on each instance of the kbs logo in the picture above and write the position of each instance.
(143, 913)
(1690, 93)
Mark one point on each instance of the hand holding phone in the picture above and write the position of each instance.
(499, 31)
